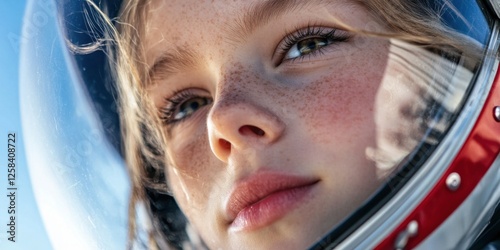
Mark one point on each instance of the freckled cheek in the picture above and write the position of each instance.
(341, 105)
(342, 97)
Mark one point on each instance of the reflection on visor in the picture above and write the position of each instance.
(294, 132)
(79, 181)
(419, 94)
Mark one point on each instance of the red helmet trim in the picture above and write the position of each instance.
(478, 153)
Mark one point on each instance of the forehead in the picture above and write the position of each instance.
(236, 13)
(195, 22)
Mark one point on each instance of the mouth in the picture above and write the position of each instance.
(266, 197)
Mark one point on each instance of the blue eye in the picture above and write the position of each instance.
(190, 106)
(309, 41)
(182, 105)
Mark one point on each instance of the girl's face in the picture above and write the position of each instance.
(267, 108)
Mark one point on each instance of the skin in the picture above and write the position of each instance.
(309, 117)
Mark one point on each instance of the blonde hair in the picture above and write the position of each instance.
(141, 134)
(143, 138)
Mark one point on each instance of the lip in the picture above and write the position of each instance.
(264, 198)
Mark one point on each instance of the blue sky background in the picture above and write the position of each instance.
(81, 182)
(30, 230)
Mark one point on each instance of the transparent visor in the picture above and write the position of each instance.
(325, 141)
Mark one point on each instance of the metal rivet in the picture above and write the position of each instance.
(403, 237)
(453, 181)
(496, 113)
(412, 228)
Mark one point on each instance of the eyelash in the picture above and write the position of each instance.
(167, 112)
(290, 40)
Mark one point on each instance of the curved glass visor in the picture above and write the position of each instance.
(375, 128)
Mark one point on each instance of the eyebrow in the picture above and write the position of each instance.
(171, 61)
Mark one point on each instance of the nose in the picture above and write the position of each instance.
(235, 124)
